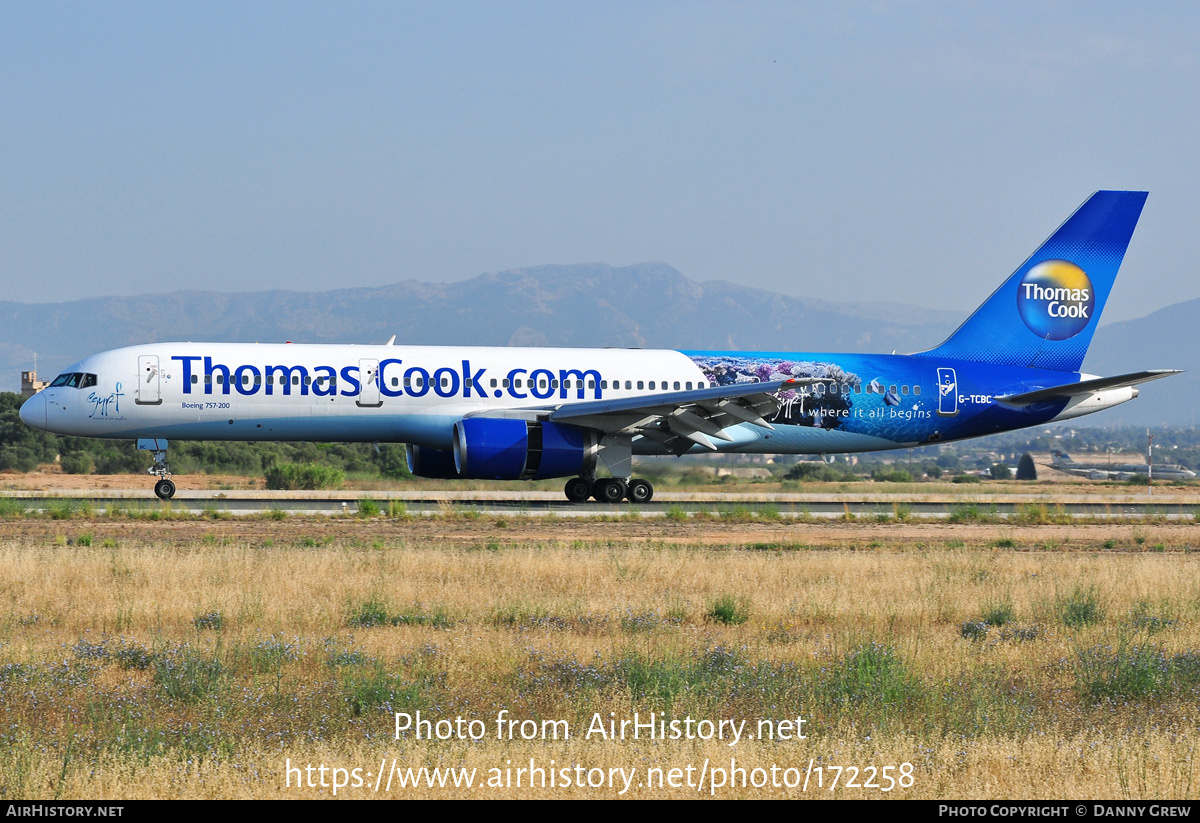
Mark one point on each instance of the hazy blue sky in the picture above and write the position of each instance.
(907, 152)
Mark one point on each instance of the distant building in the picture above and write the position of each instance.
(30, 385)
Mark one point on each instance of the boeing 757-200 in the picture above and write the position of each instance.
(532, 413)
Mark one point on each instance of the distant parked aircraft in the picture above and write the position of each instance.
(530, 413)
(1118, 471)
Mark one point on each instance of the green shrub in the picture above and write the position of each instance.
(186, 674)
(12, 508)
(210, 620)
(1081, 608)
(77, 463)
(818, 472)
(1126, 672)
(304, 476)
(730, 610)
(873, 673)
(999, 613)
(676, 514)
(975, 630)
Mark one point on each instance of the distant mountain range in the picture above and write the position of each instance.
(649, 305)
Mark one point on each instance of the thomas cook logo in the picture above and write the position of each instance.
(1055, 299)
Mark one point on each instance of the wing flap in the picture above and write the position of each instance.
(680, 420)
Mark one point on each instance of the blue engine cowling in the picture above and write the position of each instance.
(502, 449)
(426, 462)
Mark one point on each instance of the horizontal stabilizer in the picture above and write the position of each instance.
(1083, 387)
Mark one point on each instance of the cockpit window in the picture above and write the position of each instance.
(74, 380)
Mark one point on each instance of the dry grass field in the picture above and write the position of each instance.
(200, 657)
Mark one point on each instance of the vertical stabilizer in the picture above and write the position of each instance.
(1045, 313)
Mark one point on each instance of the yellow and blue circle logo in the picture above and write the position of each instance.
(1055, 299)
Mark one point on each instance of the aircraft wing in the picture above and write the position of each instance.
(682, 419)
(1083, 387)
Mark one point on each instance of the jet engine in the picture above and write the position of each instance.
(510, 449)
(435, 463)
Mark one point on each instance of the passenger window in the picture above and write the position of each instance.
(208, 379)
(591, 384)
(640, 386)
(904, 389)
(541, 384)
(916, 389)
(408, 382)
(195, 379)
(295, 380)
(504, 382)
(258, 379)
(493, 382)
(892, 388)
(858, 389)
(554, 384)
(245, 380)
(445, 382)
(604, 384)
(467, 382)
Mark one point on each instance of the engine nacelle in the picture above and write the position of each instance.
(489, 448)
(426, 462)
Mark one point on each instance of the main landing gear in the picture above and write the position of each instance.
(164, 488)
(608, 490)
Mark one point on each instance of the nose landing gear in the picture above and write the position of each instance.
(164, 488)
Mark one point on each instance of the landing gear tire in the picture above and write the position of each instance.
(578, 490)
(640, 491)
(165, 489)
(611, 491)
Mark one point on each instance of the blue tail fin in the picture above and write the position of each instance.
(1045, 313)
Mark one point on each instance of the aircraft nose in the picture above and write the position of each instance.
(33, 411)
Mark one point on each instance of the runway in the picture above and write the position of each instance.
(665, 504)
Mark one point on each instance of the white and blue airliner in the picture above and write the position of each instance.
(534, 413)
